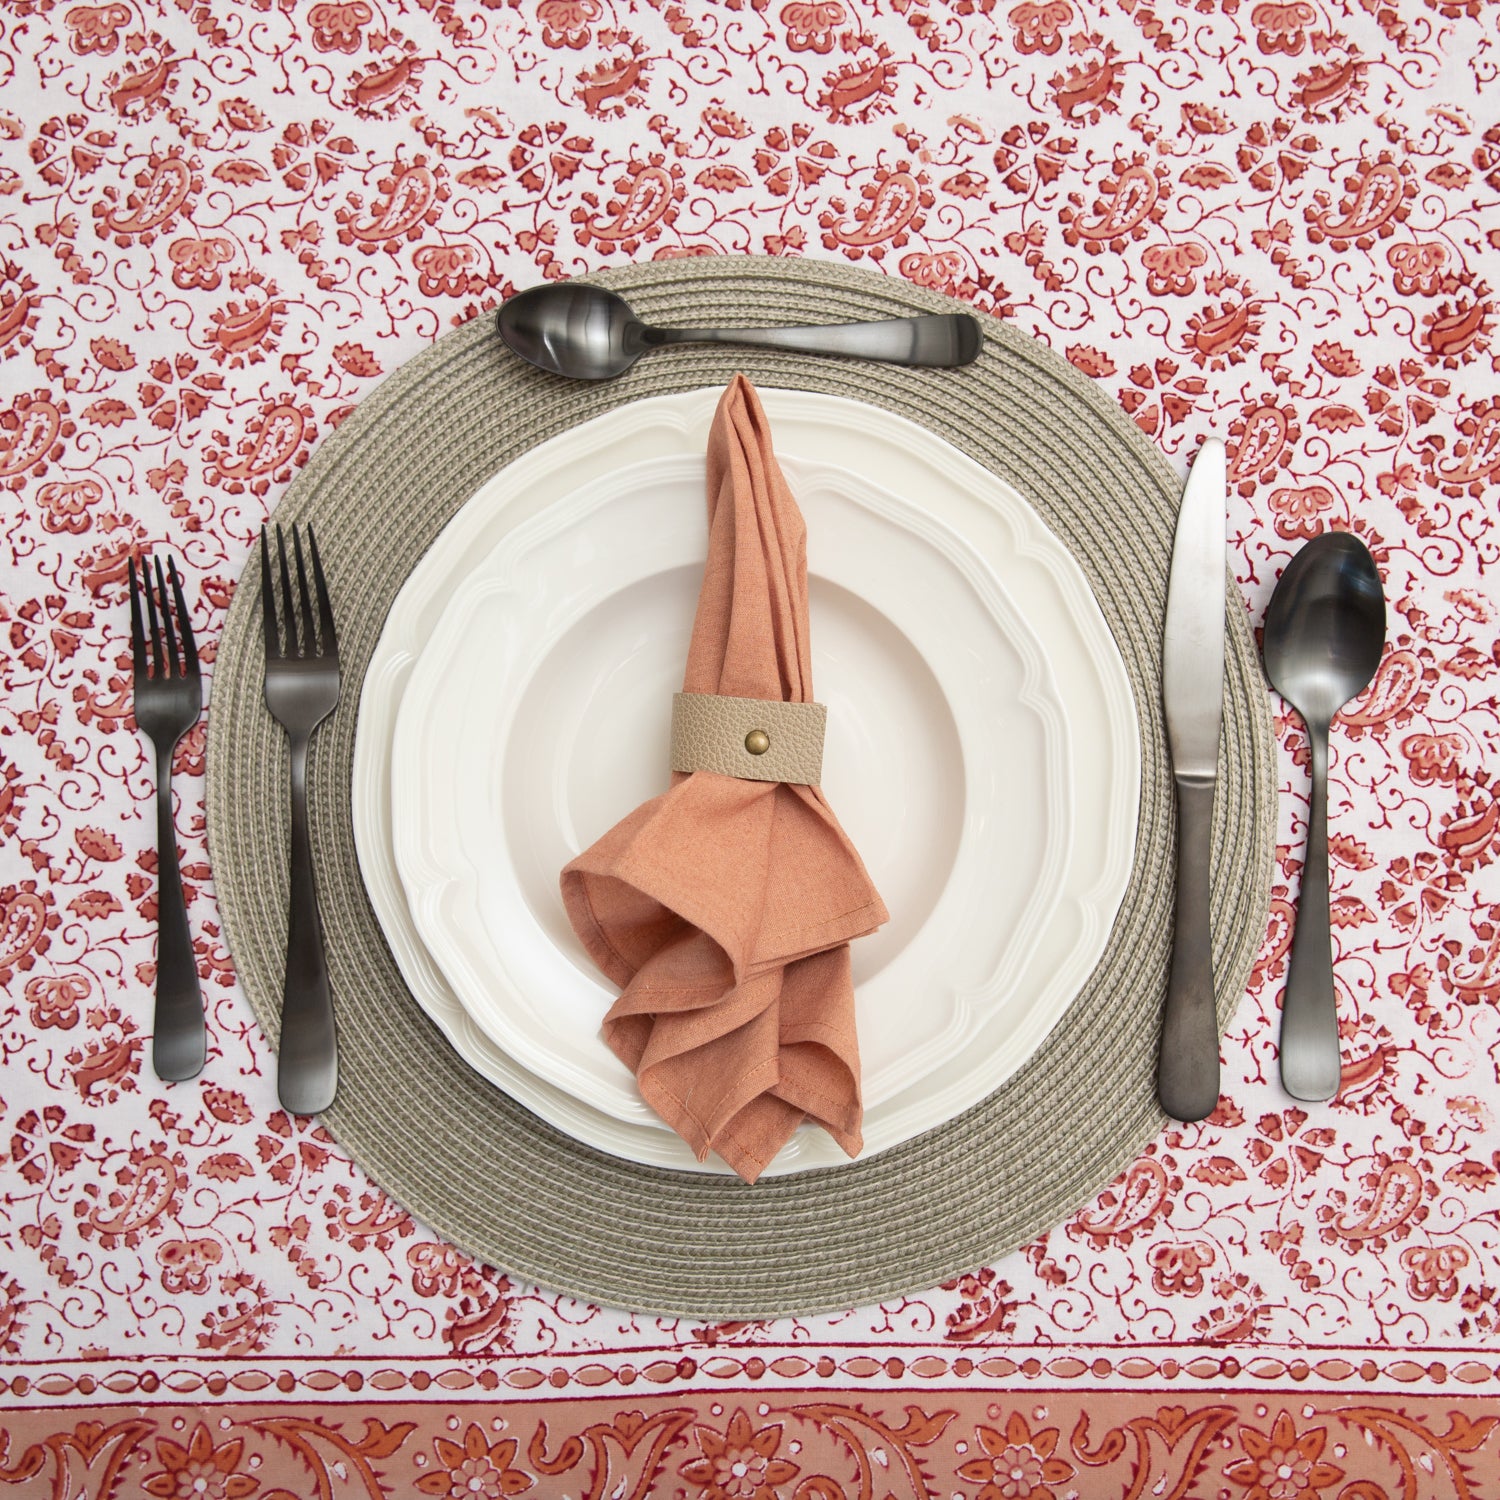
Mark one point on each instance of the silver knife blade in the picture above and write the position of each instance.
(1193, 639)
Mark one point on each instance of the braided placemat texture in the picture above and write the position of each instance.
(476, 1166)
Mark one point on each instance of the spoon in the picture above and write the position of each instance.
(591, 334)
(1324, 632)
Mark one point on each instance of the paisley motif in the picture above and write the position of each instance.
(25, 921)
(1262, 443)
(1476, 977)
(1082, 94)
(895, 203)
(645, 204)
(148, 1187)
(161, 193)
(1455, 333)
(276, 436)
(14, 317)
(1475, 461)
(138, 92)
(1396, 1196)
(29, 436)
(408, 198)
(1137, 1202)
(246, 332)
(1390, 698)
(859, 89)
(1379, 197)
(615, 84)
(1130, 200)
(384, 85)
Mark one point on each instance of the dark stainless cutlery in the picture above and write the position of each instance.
(1325, 630)
(168, 694)
(588, 333)
(302, 689)
(1193, 698)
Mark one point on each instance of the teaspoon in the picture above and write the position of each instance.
(588, 333)
(1325, 629)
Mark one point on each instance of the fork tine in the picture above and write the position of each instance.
(137, 629)
(184, 621)
(293, 648)
(268, 601)
(304, 599)
(173, 660)
(325, 605)
(158, 666)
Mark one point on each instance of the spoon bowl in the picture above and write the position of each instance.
(572, 329)
(587, 333)
(1325, 627)
(1325, 630)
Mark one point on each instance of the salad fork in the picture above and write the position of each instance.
(302, 689)
(168, 697)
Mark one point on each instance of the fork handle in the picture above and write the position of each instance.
(308, 1065)
(180, 1040)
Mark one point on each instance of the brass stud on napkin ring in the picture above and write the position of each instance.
(756, 739)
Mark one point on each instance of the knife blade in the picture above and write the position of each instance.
(1193, 701)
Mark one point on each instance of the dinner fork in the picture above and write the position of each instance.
(302, 689)
(168, 697)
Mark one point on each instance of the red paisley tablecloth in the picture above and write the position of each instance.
(219, 225)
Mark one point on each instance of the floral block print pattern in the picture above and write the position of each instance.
(220, 225)
(811, 1445)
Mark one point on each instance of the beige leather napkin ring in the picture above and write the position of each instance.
(756, 739)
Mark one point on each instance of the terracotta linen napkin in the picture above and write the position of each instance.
(724, 907)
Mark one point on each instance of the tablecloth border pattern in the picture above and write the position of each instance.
(707, 1367)
(825, 1441)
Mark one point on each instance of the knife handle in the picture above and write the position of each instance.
(1187, 1078)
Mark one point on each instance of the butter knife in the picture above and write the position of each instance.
(1187, 1076)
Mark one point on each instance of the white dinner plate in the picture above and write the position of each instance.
(982, 751)
(539, 715)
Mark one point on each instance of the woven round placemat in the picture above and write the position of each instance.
(476, 1166)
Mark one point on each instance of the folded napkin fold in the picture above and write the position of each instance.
(724, 907)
